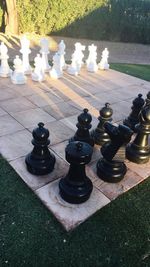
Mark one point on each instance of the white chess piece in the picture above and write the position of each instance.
(79, 48)
(56, 71)
(5, 70)
(18, 76)
(91, 61)
(38, 73)
(72, 69)
(25, 51)
(103, 65)
(61, 51)
(77, 59)
(45, 51)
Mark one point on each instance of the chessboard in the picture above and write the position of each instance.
(57, 103)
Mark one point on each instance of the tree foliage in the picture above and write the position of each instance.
(115, 20)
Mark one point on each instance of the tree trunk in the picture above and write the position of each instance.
(11, 17)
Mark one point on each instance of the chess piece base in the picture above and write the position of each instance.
(75, 193)
(18, 78)
(137, 154)
(100, 137)
(111, 171)
(37, 77)
(39, 166)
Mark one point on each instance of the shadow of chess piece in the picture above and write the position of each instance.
(133, 118)
(99, 134)
(109, 169)
(40, 161)
(139, 150)
(83, 125)
(76, 187)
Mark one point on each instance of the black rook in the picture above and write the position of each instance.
(76, 187)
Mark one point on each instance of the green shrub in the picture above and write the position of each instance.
(115, 20)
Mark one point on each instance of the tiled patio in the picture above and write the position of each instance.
(57, 103)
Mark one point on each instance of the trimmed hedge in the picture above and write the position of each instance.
(115, 20)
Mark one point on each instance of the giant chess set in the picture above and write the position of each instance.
(76, 194)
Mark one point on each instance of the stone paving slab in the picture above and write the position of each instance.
(57, 103)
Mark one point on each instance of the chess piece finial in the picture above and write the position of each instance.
(109, 169)
(91, 61)
(5, 70)
(103, 65)
(138, 151)
(84, 125)
(18, 76)
(38, 73)
(40, 161)
(76, 187)
(133, 118)
(99, 134)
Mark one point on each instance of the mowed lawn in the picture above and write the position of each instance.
(116, 236)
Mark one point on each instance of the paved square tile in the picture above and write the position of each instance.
(9, 125)
(63, 110)
(16, 104)
(2, 112)
(7, 93)
(32, 117)
(70, 215)
(44, 99)
(35, 182)
(16, 144)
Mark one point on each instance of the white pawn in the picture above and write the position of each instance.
(18, 76)
(25, 51)
(56, 71)
(103, 65)
(61, 51)
(38, 73)
(91, 61)
(45, 51)
(5, 70)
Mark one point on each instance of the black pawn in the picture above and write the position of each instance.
(40, 161)
(139, 150)
(133, 118)
(76, 187)
(99, 134)
(84, 125)
(108, 169)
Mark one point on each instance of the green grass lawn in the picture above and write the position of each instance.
(140, 71)
(116, 236)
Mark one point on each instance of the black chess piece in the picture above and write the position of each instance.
(147, 100)
(138, 151)
(83, 125)
(133, 118)
(99, 134)
(76, 187)
(40, 161)
(109, 169)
